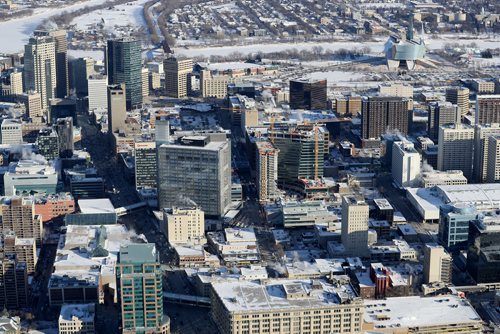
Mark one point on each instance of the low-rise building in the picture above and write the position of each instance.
(77, 319)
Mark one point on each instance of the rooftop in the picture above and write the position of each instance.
(138, 253)
(101, 205)
(84, 312)
(417, 311)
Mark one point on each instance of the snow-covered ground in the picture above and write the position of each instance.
(336, 76)
(376, 47)
(15, 33)
(121, 15)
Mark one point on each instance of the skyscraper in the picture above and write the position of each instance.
(308, 94)
(97, 88)
(487, 109)
(40, 67)
(455, 149)
(61, 50)
(13, 283)
(48, 143)
(355, 226)
(117, 110)
(267, 171)
(439, 114)
(383, 114)
(176, 76)
(64, 128)
(124, 66)
(162, 129)
(482, 133)
(437, 264)
(493, 159)
(80, 71)
(460, 97)
(18, 215)
(140, 293)
(405, 164)
(197, 168)
(145, 165)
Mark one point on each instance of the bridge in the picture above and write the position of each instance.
(122, 211)
(178, 298)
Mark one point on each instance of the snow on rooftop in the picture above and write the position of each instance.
(417, 311)
(101, 205)
(84, 312)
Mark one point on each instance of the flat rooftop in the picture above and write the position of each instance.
(138, 253)
(417, 311)
(101, 205)
(243, 296)
(84, 312)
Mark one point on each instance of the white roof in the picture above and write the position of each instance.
(417, 311)
(101, 205)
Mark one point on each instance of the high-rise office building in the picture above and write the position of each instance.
(18, 215)
(266, 166)
(48, 143)
(64, 129)
(483, 254)
(456, 147)
(11, 84)
(80, 71)
(487, 109)
(383, 114)
(23, 248)
(440, 113)
(196, 169)
(176, 76)
(308, 94)
(493, 159)
(437, 264)
(13, 283)
(117, 108)
(145, 165)
(214, 85)
(184, 225)
(140, 293)
(11, 131)
(354, 236)
(162, 129)
(405, 164)
(124, 66)
(301, 153)
(145, 82)
(97, 88)
(40, 67)
(482, 133)
(454, 226)
(61, 50)
(460, 97)
(33, 103)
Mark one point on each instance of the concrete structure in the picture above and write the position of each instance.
(286, 306)
(33, 104)
(40, 67)
(11, 84)
(146, 171)
(145, 82)
(396, 89)
(117, 108)
(482, 133)
(61, 57)
(429, 315)
(439, 114)
(124, 67)
(460, 97)
(348, 105)
(487, 109)
(355, 214)
(437, 264)
(27, 176)
(308, 94)
(18, 215)
(456, 147)
(405, 164)
(97, 87)
(483, 254)
(11, 132)
(176, 76)
(54, 206)
(306, 213)
(24, 250)
(139, 282)
(493, 159)
(439, 178)
(48, 143)
(196, 168)
(93, 212)
(214, 85)
(383, 114)
(267, 171)
(184, 225)
(162, 130)
(481, 86)
(13, 284)
(77, 319)
(80, 71)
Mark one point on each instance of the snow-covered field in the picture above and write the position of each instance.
(376, 47)
(15, 33)
(336, 76)
(121, 15)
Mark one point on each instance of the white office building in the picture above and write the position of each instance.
(405, 164)
(11, 132)
(456, 147)
(98, 98)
